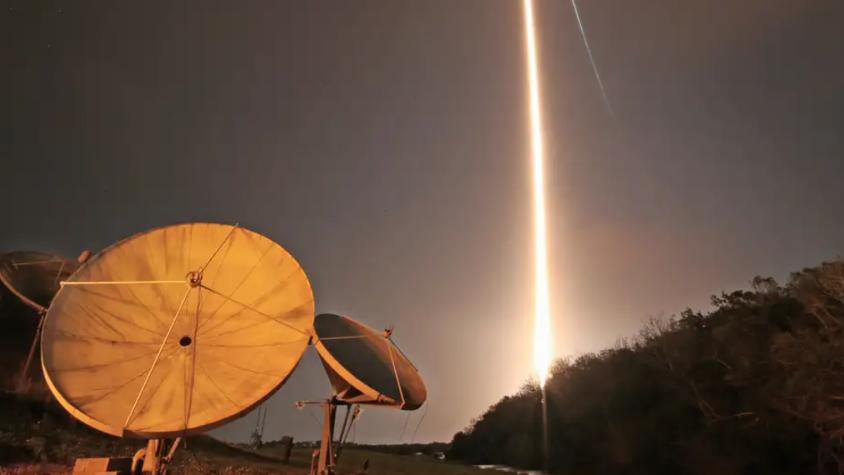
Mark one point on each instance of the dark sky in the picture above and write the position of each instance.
(385, 145)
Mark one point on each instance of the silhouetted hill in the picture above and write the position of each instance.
(754, 386)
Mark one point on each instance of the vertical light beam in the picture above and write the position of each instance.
(542, 307)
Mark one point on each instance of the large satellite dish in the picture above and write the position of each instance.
(176, 330)
(365, 366)
(34, 277)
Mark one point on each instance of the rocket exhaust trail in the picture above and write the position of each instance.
(542, 307)
(592, 58)
(542, 318)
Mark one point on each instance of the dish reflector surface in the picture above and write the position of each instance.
(176, 330)
(364, 366)
(34, 276)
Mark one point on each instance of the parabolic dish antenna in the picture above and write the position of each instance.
(34, 276)
(364, 366)
(33, 279)
(176, 330)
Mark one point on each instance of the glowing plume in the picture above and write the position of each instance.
(542, 310)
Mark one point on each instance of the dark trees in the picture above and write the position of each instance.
(754, 386)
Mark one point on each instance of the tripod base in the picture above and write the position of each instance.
(324, 460)
(152, 460)
(91, 466)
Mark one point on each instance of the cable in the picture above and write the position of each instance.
(424, 413)
(404, 427)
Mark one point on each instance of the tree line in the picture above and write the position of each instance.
(756, 385)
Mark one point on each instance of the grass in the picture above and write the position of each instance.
(38, 437)
(384, 464)
(352, 460)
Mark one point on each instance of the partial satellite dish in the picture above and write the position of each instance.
(176, 330)
(34, 277)
(31, 278)
(365, 366)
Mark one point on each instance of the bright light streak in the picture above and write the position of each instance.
(591, 58)
(542, 307)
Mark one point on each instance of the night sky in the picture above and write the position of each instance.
(385, 145)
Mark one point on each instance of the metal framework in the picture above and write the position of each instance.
(153, 459)
(324, 460)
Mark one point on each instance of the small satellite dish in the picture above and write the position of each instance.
(176, 330)
(34, 277)
(365, 366)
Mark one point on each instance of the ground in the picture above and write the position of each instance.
(37, 437)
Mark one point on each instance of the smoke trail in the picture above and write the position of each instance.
(591, 58)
